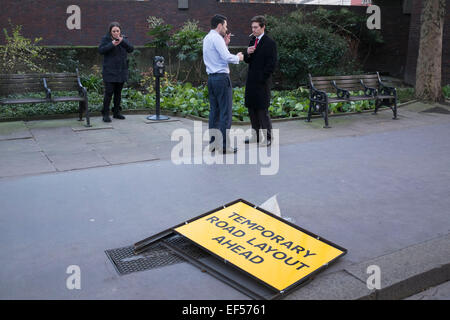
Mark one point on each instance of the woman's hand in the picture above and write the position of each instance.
(117, 41)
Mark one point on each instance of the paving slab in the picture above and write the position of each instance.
(56, 123)
(14, 130)
(79, 160)
(96, 124)
(126, 154)
(24, 163)
(101, 136)
(19, 145)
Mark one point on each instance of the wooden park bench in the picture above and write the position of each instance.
(343, 86)
(46, 83)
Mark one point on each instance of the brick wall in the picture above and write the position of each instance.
(47, 19)
(390, 56)
(413, 44)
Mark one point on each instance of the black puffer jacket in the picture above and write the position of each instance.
(115, 64)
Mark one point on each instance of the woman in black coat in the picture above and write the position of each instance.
(114, 47)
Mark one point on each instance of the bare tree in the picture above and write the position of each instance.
(429, 62)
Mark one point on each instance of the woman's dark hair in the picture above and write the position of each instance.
(218, 18)
(112, 25)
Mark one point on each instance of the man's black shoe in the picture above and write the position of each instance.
(266, 143)
(118, 116)
(253, 139)
(227, 150)
(106, 118)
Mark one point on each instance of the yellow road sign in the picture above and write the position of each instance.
(261, 244)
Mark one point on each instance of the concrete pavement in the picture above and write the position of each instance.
(375, 186)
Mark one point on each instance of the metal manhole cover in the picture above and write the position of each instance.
(157, 256)
(437, 110)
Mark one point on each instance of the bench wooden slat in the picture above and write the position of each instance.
(59, 87)
(20, 81)
(61, 83)
(16, 89)
(67, 99)
(334, 100)
(362, 76)
(71, 79)
(349, 87)
(23, 100)
(360, 98)
(21, 76)
(355, 82)
(385, 97)
(58, 75)
(23, 85)
(331, 89)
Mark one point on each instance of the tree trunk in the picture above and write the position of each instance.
(429, 62)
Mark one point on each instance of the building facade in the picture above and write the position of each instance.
(84, 22)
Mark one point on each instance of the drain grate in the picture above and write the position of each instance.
(437, 110)
(157, 256)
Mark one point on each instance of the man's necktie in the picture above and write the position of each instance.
(256, 42)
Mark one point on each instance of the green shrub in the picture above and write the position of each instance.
(92, 83)
(159, 33)
(134, 74)
(405, 94)
(349, 25)
(321, 42)
(66, 60)
(446, 91)
(20, 54)
(188, 43)
(304, 49)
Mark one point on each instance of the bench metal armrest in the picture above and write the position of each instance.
(368, 91)
(383, 89)
(81, 90)
(315, 94)
(341, 93)
(318, 96)
(48, 92)
(386, 90)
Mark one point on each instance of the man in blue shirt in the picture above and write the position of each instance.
(216, 58)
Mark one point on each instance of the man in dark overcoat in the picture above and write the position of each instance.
(261, 57)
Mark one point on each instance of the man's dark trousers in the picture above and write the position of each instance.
(221, 103)
(260, 119)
